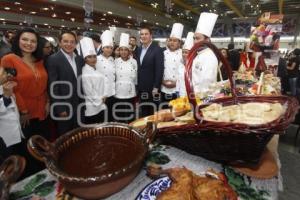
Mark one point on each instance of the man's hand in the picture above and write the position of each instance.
(24, 119)
(63, 114)
(169, 83)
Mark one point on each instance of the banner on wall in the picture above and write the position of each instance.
(88, 6)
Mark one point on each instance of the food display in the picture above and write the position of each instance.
(186, 185)
(249, 113)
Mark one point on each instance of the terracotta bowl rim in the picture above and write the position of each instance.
(62, 176)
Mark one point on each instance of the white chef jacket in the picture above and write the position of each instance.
(126, 78)
(93, 83)
(204, 70)
(180, 84)
(10, 126)
(172, 60)
(106, 66)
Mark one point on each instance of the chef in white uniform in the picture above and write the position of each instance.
(11, 132)
(205, 65)
(106, 66)
(188, 44)
(172, 61)
(93, 83)
(126, 80)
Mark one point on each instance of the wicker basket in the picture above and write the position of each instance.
(224, 141)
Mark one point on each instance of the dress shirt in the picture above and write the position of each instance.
(71, 60)
(144, 51)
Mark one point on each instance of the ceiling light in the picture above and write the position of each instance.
(201, 5)
(33, 12)
(78, 27)
(17, 3)
(168, 25)
(46, 24)
(20, 8)
(72, 19)
(102, 19)
(145, 20)
(36, 26)
(21, 23)
(49, 26)
(209, 10)
(62, 26)
(6, 8)
(157, 23)
(129, 17)
(104, 14)
(206, 4)
(45, 8)
(109, 12)
(91, 29)
(68, 13)
(53, 15)
(53, 0)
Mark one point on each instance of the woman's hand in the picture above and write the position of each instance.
(24, 119)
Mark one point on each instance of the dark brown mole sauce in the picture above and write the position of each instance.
(98, 155)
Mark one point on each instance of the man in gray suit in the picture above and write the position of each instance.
(64, 70)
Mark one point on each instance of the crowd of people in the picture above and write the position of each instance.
(87, 80)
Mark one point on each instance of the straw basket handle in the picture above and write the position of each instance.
(188, 72)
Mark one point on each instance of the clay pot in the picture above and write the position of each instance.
(103, 183)
(10, 170)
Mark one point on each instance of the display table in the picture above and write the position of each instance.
(44, 186)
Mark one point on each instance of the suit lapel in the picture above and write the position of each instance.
(147, 53)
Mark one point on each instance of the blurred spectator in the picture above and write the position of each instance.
(116, 53)
(133, 46)
(5, 43)
(233, 57)
(293, 71)
(97, 43)
(47, 48)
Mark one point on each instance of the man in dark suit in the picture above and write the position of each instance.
(64, 71)
(233, 57)
(97, 43)
(150, 59)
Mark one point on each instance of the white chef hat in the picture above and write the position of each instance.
(87, 47)
(189, 41)
(177, 30)
(124, 40)
(206, 23)
(107, 39)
